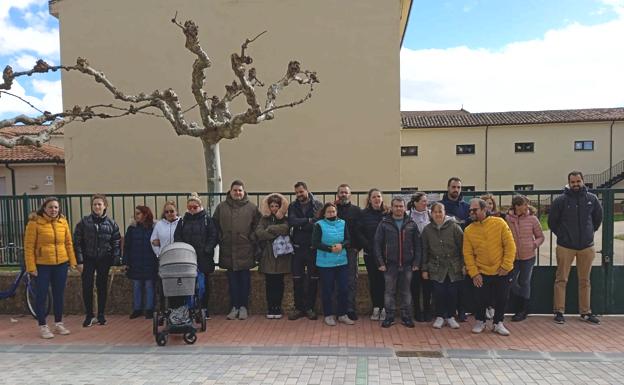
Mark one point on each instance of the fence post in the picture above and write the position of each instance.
(25, 208)
(608, 198)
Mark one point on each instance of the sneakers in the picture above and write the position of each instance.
(352, 315)
(59, 328)
(233, 314)
(45, 332)
(102, 321)
(438, 323)
(499, 328)
(452, 323)
(149, 314)
(382, 314)
(478, 327)
(489, 313)
(376, 314)
(345, 319)
(311, 314)
(296, 314)
(407, 322)
(589, 317)
(330, 320)
(136, 314)
(520, 316)
(559, 318)
(242, 313)
(90, 321)
(389, 321)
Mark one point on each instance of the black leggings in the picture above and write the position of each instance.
(100, 269)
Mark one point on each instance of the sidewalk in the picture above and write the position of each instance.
(538, 333)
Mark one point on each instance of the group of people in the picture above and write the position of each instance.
(419, 253)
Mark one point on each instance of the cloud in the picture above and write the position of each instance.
(51, 100)
(37, 37)
(574, 67)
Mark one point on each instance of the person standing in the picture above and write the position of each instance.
(421, 215)
(370, 219)
(236, 220)
(48, 250)
(351, 214)
(97, 243)
(489, 251)
(398, 252)
(528, 235)
(141, 261)
(164, 230)
(574, 218)
(301, 218)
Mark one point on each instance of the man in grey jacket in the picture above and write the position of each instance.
(574, 217)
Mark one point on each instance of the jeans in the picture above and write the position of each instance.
(401, 277)
(584, 259)
(137, 294)
(352, 265)
(522, 272)
(330, 276)
(305, 278)
(274, 284)
(445, 297)
(239, 285)
(100, 268)
(495, 289)
(421, 286)
(376, 282)
(55, 276)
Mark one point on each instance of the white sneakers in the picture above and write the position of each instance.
(242, 313)
(489, 313)
(330, 321)
(439, 322)
(375, 315)
(452, 323)
(478, 327)
(59, 328)
(233, 314)
(346, 320)
(45, 332)
(499, 328)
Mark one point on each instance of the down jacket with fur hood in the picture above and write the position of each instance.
(47, 241)
(270, 227)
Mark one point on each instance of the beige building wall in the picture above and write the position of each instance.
(32, 179)
(437, 161)
(352, 44)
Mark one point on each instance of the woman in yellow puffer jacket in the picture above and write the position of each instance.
(48, 250)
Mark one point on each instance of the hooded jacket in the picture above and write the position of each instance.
(236, 223)
(574, 217)
(442, 251)
(398, 247)
(270, 227)
(458, 209)
(527, 233)
(488, 246)
(302, 221)
(47, 241)
(199, 231)
(97, 237)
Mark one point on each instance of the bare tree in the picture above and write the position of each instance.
(217, 121)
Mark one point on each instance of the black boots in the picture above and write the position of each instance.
(523, 311)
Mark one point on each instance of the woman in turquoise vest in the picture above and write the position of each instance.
(330, 238)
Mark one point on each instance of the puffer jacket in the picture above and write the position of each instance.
(270, 227)
(138, 254)
(302, 221)
(47, 241)
(199, 231)
(442, 251)
(236, 223)
(488, 246)
(527, 233)
(352, 215)
(398, 247)
(97, 237)
(370, 219)
(574, 217)
(164, 231)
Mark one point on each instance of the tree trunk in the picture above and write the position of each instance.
(214, 180)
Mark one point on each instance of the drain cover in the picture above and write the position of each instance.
(419, 353)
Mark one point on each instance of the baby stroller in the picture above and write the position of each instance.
(182, 292)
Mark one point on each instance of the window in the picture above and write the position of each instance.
(409, 150)
(468, 188)
(523, 187)
(584, 145)
(409, 189)
(462, 149)
(525, 147)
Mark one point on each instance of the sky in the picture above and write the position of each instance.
(482, 55)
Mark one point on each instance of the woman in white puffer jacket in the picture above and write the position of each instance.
(165, 228)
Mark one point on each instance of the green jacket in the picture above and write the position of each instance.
(442, 251)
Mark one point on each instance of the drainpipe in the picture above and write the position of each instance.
(12, 178)
(486, 157)
(611, 150)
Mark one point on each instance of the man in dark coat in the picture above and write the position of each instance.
(574, 217)
(301, 218)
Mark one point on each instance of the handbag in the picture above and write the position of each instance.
(282, 246)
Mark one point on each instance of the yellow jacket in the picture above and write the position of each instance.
(47, 241)
(488, 246)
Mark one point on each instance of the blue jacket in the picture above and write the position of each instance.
(325, 234)
(458, 209)
(138, 254)
(574, 217)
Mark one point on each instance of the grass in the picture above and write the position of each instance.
(544, 221)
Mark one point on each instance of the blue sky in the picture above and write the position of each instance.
(484, 55)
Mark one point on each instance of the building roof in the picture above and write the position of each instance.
(29, 154)
(463, 118)
(28, 130)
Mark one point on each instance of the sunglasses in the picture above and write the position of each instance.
(192, 207)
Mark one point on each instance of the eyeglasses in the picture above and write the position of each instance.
(169, 211)
(473, 210)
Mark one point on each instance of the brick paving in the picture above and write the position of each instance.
(538, 334)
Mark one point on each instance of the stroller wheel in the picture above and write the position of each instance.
(161, 339)
(190, 338)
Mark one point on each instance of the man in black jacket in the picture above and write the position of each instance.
(352, 215)
(574, 217)
(301, 218)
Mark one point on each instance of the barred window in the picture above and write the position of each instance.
(409, 150)
(462, 149)
(525, 147)
(523, 187)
